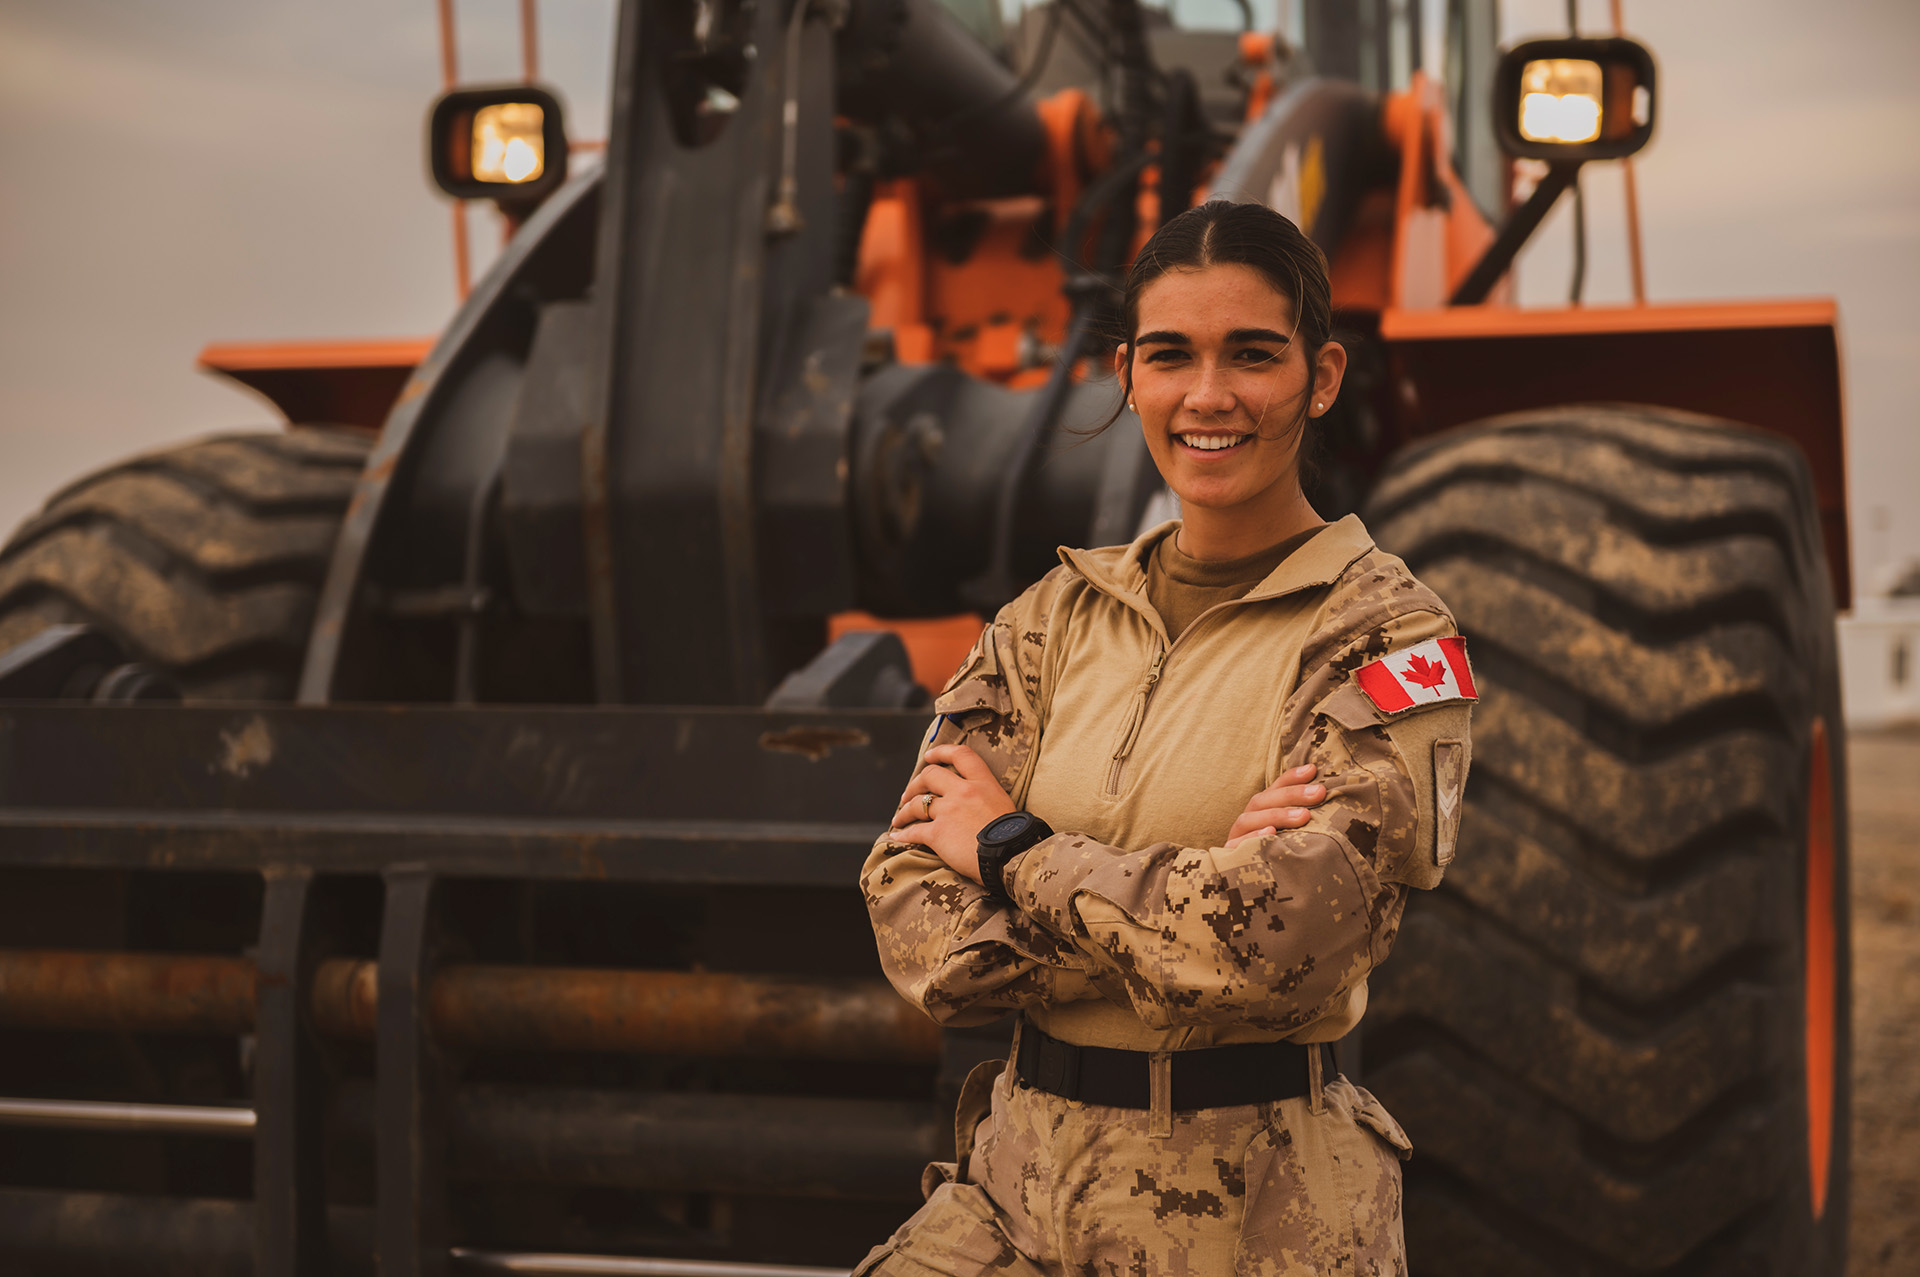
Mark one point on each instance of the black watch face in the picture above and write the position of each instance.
(1004, 827)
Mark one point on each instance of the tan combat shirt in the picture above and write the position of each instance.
(1135, 926)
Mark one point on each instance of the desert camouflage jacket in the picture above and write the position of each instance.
(1135, 925)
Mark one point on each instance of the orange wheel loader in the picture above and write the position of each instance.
(428, 832)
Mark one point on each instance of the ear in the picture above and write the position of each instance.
(1121, 365)
(1329, 370)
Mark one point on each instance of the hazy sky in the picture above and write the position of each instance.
(212, 170)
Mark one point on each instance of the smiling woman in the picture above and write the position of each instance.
(1170, 812)
(1227, 373)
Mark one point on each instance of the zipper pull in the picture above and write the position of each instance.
(1139, 715)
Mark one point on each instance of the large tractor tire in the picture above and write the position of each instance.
(203, 560)
(1617, 1034)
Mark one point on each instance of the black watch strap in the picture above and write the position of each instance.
(1004, 838)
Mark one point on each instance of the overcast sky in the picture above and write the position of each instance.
(179, 172)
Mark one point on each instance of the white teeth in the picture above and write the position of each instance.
(1210, 443)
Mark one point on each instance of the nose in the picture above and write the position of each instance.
(1212, 391)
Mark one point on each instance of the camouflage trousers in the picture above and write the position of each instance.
(1053, 1187)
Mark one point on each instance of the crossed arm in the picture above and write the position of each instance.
(965, 796)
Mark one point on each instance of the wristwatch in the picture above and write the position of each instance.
(1004, 838)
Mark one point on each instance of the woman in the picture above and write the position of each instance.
(1179, 952)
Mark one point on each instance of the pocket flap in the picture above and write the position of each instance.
(1373, 1115)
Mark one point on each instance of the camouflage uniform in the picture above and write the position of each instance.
(1136, 927)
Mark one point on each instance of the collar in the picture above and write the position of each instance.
(1121, 570)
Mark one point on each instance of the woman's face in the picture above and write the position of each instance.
(1218, 381)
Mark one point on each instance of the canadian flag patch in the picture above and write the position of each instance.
(1425, 674)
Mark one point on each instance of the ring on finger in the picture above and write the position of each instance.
(926, 806)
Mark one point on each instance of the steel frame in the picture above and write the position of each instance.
(309, 798)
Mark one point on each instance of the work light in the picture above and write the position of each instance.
(1574, 99)
(506, 143)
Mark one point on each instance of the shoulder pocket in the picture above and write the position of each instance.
(1434, 747)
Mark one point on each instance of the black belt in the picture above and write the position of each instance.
(1210, 1077)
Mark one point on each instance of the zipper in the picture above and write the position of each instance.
(1136, 719)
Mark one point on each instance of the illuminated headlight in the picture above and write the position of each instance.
(1560, 100)
(508, 142)
(1574, 99)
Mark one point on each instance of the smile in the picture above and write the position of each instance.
(1213, 443)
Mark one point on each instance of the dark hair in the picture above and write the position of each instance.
(1223, 233)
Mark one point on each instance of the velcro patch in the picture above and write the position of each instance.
(1429, 673)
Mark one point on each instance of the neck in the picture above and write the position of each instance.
(1215, 535)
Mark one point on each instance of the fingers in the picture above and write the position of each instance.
(1262, 832)
(1295, 787)
(928, 780)
(935, 780)
(1289, 796)
(963, 760)
(1271, 819)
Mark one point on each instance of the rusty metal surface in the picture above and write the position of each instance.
(505, 1008)
(498, 1008)
(228, 1121)
(129, 992)
(665, 1012)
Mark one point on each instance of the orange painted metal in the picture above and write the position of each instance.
(1488, 321)
(1636, 267)
(1773, 365)
(1360, 275)
(126, 992)
(1822, 970)
(935, 645)
(450, 76)
(892, 270)
(980, 307)
(530, 40)
(973, 281)
(1256, 54)
(1438, 231)
(348, 383)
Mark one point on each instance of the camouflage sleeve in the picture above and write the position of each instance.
(1272, 931)
(947, 945)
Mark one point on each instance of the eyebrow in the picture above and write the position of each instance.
(1167, 337)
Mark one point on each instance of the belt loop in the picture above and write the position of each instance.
(1160, 1095)
(1316, 1080)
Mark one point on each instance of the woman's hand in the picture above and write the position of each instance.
(1282, 805)
(946, 806)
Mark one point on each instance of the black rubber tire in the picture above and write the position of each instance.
(1594, 1031)
(203, 560)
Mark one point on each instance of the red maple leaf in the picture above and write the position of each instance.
(1428, 674)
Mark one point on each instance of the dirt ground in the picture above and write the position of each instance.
(1885, 789)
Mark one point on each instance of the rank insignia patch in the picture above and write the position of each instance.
(1427, 673)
